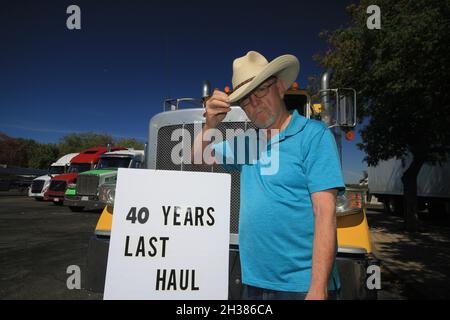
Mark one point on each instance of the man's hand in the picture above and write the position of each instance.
(217, 107)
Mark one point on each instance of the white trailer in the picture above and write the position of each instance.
(433, 186)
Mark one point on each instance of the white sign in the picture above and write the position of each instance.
(170, 236)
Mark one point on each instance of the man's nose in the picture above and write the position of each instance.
(254, 100)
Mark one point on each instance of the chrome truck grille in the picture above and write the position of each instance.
(37, 185)
(87, 184)
(164, 162)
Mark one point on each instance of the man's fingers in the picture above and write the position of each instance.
(213, 104)
(220, 95)
(218, 110)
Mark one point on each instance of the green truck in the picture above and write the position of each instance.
(84, 193)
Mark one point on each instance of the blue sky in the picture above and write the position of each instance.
(113, 75)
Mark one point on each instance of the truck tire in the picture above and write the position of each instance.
(387, 205)
(76, 209)
(353, 276)
(393, 205)
(368, 197)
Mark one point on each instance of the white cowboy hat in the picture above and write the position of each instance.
(252, 69)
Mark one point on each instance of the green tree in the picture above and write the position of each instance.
(401, 73)
(12, 151)
(26, 153)
(41, 156)
(75, 142)
(130, 143)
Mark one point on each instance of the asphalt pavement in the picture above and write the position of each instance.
(39, 241)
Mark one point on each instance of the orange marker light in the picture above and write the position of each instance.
(295, 86)
(227, 89)
(350, 135)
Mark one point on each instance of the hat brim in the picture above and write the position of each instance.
(285, 67)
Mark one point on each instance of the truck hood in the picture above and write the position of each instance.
(99, 171)
(45, 177)
(69, 177)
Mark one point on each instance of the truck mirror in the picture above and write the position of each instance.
(339, 107)
(346, 107)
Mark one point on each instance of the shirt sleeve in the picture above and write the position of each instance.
(226, 157)
(323, 167)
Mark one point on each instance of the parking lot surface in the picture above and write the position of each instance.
(39, 241)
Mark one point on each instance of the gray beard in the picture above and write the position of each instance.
(267, 124)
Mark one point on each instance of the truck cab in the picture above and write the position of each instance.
(84, 161)
(84, 193)
(40, 185)
(354, 253)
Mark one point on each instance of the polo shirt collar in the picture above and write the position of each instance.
(296, 124)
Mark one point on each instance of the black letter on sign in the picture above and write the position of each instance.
(208, 212)
(166, 214)
(140, 248)
(127, 242)
(161, 279)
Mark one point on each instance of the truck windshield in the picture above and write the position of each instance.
(114, 162)
(56, 170)
(79, 167)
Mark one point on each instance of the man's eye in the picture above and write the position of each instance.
(262, 89)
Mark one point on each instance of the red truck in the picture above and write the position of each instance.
(86, 160)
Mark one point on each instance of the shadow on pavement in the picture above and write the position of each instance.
(421, 259)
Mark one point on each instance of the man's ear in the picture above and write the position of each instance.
(281, 88)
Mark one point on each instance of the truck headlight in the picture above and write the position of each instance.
(352, 202)
(107, 194)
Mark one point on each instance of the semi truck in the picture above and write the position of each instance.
(84, 161)
(40, 185)
(336, 108)
(433, 187)
(84, 193)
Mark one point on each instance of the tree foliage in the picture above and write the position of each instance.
(28, 153)
(13, 151)
(401, 73)
(76, 142)
(130, 143)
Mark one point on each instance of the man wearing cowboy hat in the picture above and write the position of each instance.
(287, 224)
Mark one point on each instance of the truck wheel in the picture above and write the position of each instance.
(76, 209)
(353, 278)
(388, 206)
(393, 206)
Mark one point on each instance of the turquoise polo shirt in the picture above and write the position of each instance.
(276, 223)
